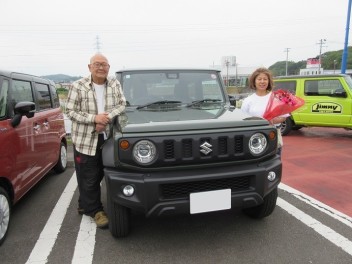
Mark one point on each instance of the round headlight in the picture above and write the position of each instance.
(144, 152)
(257, 143)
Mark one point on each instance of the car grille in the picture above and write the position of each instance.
(222, 146)
(185, 150)
(182, 190)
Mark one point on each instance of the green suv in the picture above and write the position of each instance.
(328, 101)
(181, 147)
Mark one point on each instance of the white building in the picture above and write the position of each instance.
(233, 73)
(314, 68)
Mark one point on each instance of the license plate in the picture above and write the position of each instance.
(210, 201)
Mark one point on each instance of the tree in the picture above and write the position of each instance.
(328, 60)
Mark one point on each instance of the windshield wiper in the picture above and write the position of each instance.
(207, 100)
(163, 102)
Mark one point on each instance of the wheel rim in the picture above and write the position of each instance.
(4, 215)
(63, 156)
(283, 127)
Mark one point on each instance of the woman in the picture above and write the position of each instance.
(262, 82)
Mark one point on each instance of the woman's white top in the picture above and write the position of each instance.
(255, 105)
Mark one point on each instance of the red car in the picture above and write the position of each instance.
(32, 138)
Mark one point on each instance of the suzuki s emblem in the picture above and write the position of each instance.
(205, 148)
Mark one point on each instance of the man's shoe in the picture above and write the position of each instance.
(101, 219)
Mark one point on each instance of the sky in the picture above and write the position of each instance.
(44, 37)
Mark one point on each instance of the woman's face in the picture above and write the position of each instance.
(261, 82)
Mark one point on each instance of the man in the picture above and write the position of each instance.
(91, 105)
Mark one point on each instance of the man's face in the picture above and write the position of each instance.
(99, 68)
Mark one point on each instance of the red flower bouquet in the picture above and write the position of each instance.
(282, 102)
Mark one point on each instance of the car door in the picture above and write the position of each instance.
(10, 139)
(50, 119)
(322, 106)
(30, 158)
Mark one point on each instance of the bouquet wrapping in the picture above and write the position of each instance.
(281, 102)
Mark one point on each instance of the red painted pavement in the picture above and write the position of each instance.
(317, 162)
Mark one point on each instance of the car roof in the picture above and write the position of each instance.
(167, 69)
(29, 77)
(310, 76)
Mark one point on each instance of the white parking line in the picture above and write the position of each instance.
(318, 205)
(85, 242)
(48, 236)
(323, 230)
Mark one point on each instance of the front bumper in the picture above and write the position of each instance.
(162, 193)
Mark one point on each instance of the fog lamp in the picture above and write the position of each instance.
(271, 176)
(128, 190)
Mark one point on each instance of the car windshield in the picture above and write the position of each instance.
(348, 80)
(147, 87)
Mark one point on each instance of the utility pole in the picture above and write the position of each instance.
(227, 77)
(287, 50)
(321, 42)
(235, 64)
(97, 44)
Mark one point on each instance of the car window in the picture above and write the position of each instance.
(287, 85)
(22, 91)
(321, 87)
(348, 80)
(3, 97)
(55, 96)
(211, 89)
(145, 87)
(43, 96)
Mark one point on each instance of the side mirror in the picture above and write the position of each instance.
(340, 93)
(232, 100)
(22, 109)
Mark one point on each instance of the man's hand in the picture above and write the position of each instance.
(102, 119)
(99, 128)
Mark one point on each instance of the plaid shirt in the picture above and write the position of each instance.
(81, 108)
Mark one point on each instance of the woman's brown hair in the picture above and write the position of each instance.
(255, 74)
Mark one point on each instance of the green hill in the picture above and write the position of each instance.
(61, 78)
(330, 60)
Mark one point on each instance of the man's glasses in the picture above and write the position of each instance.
(97, 65)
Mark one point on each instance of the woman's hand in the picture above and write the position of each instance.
(277, 120)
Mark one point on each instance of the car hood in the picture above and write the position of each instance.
(184, 118)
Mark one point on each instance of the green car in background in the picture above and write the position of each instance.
(328, 101)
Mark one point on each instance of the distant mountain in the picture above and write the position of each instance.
(61, 78)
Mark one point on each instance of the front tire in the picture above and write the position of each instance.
(5, 214)
(119, 219)
(286, 126)
(62, 162)
(266, 208)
